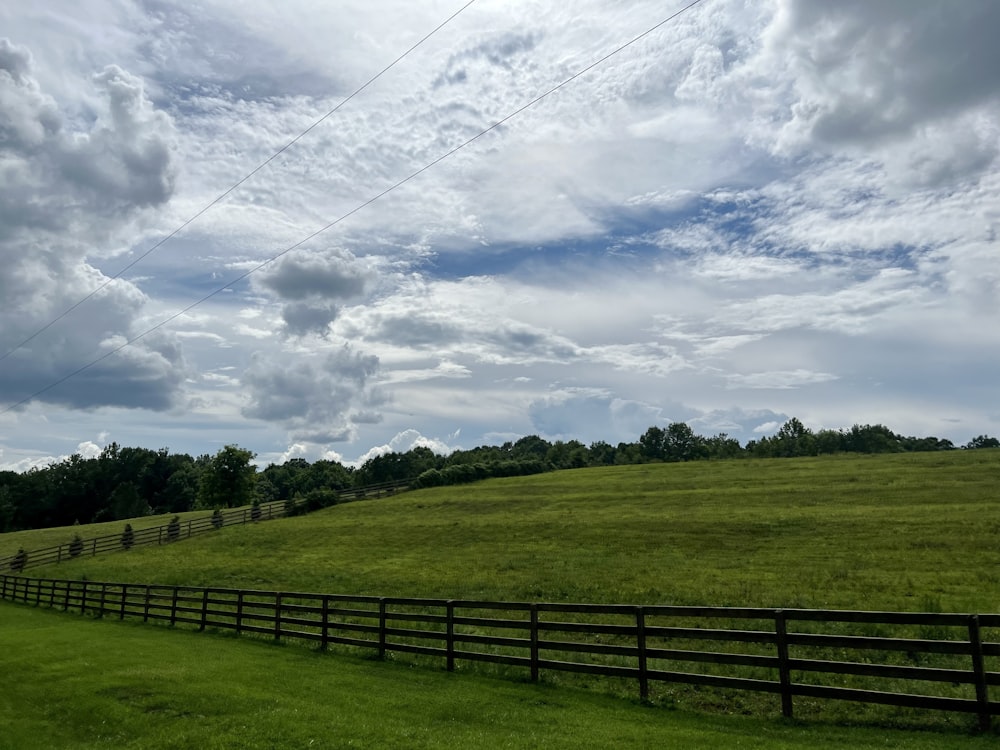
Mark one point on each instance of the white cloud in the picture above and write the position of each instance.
(785, 207)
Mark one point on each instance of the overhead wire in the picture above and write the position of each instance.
(235, 186)
(359, 207)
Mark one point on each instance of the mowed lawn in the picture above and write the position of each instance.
(908, 532)
(76, 682)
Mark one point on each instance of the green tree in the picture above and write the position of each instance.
(126, 503)
(228, 479)
(651, 444)
(680, 443)
(982, 441)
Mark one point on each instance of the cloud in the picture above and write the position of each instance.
(866, 72)
(779, 379)
(313, 396)
(405, 441)
(65, 190)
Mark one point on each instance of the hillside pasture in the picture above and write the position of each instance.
(913, 532)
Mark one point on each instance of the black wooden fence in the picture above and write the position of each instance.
(921, 660)
(162, 534)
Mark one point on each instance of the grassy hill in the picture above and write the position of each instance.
(908, 532)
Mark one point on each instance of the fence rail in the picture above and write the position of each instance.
(162, 534)
(919, 660)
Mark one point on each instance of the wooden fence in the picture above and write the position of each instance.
(162, 534)
(920, 660)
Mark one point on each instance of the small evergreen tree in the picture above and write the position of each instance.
(128, 537)
(174, 529)
(216, 519)
(19, 561)
(76, 546)
(255, 511)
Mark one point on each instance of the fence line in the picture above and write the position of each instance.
(163, 534)
(777, 651)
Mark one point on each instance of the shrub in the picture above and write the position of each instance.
(128, 537)
(174, 529)
(255, 511)
(19, 561)
(76, 546)
(216, 519)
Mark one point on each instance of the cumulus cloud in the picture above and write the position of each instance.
(68, 193)
(311, 284)
(314, 396)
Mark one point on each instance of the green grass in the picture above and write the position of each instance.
(76, 682)
(36, 539)
(904, 532)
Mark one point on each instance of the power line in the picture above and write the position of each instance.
(359, 207)
(256, 169)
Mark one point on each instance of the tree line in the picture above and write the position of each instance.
(124, 482)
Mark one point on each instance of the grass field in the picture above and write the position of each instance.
(909, 532)
(35, 539)
(918, 532)
(64, 687)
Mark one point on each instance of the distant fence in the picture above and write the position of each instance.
(919, 660)
(164, 533)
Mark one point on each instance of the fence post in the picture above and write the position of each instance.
(204, 609)
(450, 635)
(104, 593)
(640, 636)
(325, 638)
(277, 616)
(66, 597)
(83, 598)
(93, 548)
(145, 606)
(239, 612)
(784, 674)
(59, 554)
(4, 595)
(189, 528)
(121, 612)
(381, 628)
(979, 670)
(159, 535)
(534, 642)
(173, 607)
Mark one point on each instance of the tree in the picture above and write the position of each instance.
(228, 479)
(651, 444)
(126, 503)
(174, 529)
(680, 443)
(128, 537)
(982, 441)
(794, 439)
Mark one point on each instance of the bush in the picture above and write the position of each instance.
(19, 561)
(429, 478)
(76, 546)
(217, 519)
(128, 537)
(255, 511)
(174, 529)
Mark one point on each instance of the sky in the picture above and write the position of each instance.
(753, 212)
